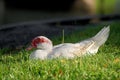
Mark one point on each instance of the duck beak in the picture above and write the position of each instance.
(29, 48)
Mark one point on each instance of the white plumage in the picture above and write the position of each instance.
(45, 49)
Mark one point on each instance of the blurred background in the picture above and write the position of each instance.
(22, 20)
(15, 11)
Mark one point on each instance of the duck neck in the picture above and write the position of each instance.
(45, 47)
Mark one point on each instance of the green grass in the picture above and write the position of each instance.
(105, 65)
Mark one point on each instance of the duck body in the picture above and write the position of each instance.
(90, 46)
(86, 47)
(39, 54)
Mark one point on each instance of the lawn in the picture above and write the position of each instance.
(105, 65)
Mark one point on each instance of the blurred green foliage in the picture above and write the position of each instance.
(106, 6)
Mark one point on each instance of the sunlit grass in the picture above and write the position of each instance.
(105, 65)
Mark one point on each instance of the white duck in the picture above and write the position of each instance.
(45, 49)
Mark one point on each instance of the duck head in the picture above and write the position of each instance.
(42, 43)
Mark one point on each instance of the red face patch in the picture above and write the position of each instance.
(37, 41)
